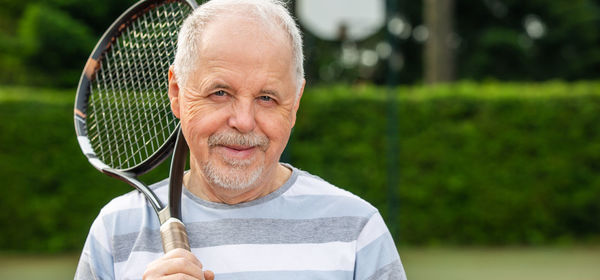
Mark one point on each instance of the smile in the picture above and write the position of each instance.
(236, 152)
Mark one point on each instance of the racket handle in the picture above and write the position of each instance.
(174, 235)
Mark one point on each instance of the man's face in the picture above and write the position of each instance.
(238, 108)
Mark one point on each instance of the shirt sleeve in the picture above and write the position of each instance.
(96, 261)
(376, 254)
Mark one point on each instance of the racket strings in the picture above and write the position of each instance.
(129, 115)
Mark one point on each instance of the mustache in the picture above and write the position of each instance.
(232, 138)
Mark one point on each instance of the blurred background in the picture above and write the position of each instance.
(472, 125)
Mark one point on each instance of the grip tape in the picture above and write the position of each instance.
(174, 235)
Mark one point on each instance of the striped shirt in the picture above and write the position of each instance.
(307, 229)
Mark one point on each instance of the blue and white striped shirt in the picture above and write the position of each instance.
(307, 229)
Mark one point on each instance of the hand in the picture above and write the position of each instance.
(177, 264)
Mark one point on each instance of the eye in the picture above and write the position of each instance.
(220, 93)
(265, 98)
(219, 96)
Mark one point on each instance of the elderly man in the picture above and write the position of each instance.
(236, 85)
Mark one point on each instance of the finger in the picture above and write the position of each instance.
(174, 254)
(172, 263)
(182, 253)
(170, 267)
(180, 276)
(209, 275)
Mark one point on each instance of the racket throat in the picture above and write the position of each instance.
(164, 215)
(131, 179)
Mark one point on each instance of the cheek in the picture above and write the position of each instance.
(199, 122)
(277, 128)
(191, 109)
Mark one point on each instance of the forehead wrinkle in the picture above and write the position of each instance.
(217, 53)
(224, 74)
(270, 19)
(269, 31)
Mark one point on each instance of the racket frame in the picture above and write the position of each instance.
(172, 229)
(91, 67)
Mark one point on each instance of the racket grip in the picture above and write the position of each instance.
(173, 235)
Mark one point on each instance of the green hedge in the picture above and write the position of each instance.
(474, 163)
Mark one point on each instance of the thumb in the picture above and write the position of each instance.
(209, 275)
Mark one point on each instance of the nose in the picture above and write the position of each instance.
(243, 116)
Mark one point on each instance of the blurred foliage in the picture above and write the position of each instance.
(499, 39)
(478, 163)
(51, 39)
(52, 192)
(493, 39)
(46, 42)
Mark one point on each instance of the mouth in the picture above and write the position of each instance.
(237, 152)
(234, 147)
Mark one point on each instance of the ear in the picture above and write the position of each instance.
(297, 102)
(174, 92)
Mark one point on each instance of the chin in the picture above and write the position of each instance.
(235, 177)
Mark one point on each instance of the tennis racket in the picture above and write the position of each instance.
(123, 120)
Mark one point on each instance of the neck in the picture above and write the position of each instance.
(270, 181)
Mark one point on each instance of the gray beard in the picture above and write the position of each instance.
(236, 175)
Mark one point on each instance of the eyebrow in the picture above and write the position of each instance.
(218, 86)
(270, 92)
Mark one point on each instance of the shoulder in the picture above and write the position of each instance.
(312, 187)
(134, 199)
(123, 223)
(130, 212)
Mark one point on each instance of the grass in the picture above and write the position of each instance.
(548, 263)
(502, 263)
(30, 94)
(29, 267)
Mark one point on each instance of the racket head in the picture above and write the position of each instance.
(122, 114)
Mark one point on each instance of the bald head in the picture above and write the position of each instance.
(271, 15)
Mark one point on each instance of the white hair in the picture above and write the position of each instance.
(270, 12)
